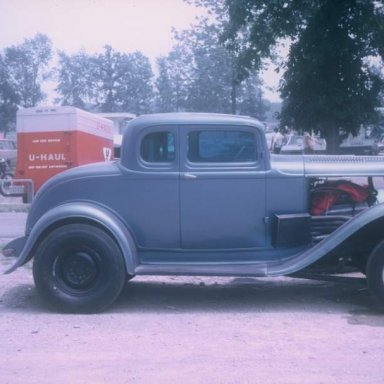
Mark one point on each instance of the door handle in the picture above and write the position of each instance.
(190, 176)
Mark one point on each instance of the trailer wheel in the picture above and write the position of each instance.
(375, 273)
(79, 268)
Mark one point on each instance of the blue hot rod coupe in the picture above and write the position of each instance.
(200, 194)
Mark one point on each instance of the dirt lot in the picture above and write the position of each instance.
(195, 330)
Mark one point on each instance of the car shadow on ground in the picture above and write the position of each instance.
(175, 295)
(21, 298)
(234, 295)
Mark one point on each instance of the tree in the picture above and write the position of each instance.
(107, 73)
(8, 98)
(75, 84)
(328, 85)
(250, 96)
(173, 80)
(27, 66)
(110, 81)
(135, 92)
(200, 74)
(23, 69)
(210, 69)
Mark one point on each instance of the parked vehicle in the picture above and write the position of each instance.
(361, 144)
(200, 194)
(294, 145)
(378, 146)
(53, 139)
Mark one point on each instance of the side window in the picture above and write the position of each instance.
(158, 147)
(221, 146)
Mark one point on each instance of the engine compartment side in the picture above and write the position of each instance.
(317, 206)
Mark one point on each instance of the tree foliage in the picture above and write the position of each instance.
(75, 85)
(8, 98)
(23, 70)
(200, 75)
(173, 80)
(328, 83)
(135, 92)
(27, 66)
(111, 81)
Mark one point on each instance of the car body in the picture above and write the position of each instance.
(194, 194)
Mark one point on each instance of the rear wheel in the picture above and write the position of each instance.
(375, 273)
(79, 268)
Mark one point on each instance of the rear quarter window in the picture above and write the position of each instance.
(158, 147)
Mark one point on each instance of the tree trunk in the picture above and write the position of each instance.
(332, 138)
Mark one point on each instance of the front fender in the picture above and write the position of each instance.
(315, 253)
(70, 212)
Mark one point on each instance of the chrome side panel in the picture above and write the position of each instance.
(81, 211)
(328, 165)
(343, 165)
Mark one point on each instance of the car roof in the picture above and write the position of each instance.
(135, 126)
(193, 118)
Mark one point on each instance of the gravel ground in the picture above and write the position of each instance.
(195, 330)
(10, 200)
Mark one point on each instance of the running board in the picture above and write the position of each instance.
(212, 269)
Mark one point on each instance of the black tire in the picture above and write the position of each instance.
(375, 273)
(79, 268)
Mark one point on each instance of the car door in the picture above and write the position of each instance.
(151, 188)
(222, 188)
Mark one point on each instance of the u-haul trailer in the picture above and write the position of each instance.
(53, 139)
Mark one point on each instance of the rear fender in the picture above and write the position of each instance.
(321, 249)
(72, 212)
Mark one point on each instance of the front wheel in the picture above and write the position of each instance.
(375, 273)
(79, 268)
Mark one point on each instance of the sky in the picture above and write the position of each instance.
(126, 25)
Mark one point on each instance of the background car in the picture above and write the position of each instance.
(294, 145)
